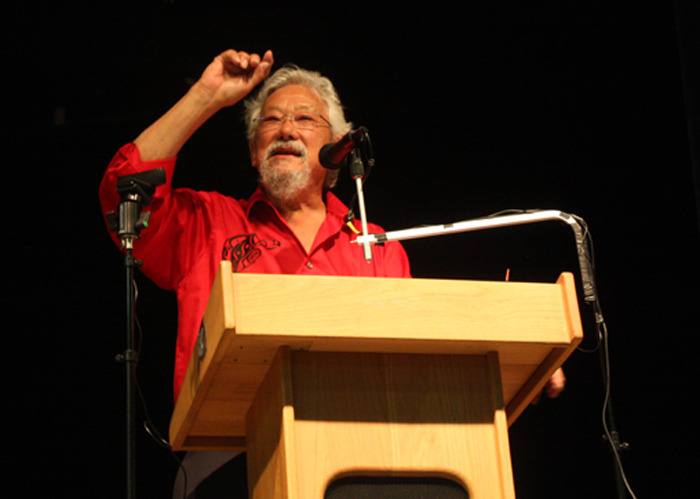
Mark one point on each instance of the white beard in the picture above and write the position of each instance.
(279, 182)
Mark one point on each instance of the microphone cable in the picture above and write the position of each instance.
(149, 427)
(611, 435)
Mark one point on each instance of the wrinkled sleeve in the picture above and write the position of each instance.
(176, 216)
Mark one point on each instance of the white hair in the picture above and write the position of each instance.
(292, 74)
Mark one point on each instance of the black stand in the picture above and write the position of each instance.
(618, 446)
(135, 191)
(130, 358)
(612, 436)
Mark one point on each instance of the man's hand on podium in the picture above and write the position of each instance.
(555, 385)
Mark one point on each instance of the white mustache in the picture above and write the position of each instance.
(282, 145)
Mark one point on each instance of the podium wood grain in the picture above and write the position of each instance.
(318, 377)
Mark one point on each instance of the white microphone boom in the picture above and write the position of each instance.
(534, 216)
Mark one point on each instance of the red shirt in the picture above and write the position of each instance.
(190, 232)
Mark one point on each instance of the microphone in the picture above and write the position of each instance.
(135, 191)
(143, 184)
(332, 156)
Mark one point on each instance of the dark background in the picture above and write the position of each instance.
(585, 107)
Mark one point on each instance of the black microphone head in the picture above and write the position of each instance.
(150, 178)
(332, 156)
(143, 183)
(325, 156)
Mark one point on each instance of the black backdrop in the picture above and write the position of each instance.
(585, 107)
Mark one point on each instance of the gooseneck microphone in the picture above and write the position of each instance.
(332, 156)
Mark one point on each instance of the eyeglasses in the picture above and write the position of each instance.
(302, 120)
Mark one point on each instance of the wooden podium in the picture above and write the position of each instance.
(321, 377)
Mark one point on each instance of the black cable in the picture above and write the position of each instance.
(148, 425)
(607, 417)
(608, 420)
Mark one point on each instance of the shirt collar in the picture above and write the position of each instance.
(334, 206)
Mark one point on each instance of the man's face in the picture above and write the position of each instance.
(292, 129)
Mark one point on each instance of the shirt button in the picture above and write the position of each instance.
(309, 265)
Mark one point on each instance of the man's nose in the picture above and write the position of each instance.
(287, 129)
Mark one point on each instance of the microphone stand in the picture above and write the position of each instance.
(135, 191)
(128, 229)
(357, 173)
(585, 266)
(589, 292)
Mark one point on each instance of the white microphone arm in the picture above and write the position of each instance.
(585, 264)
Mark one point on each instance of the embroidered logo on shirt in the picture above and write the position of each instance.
(244, 249)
